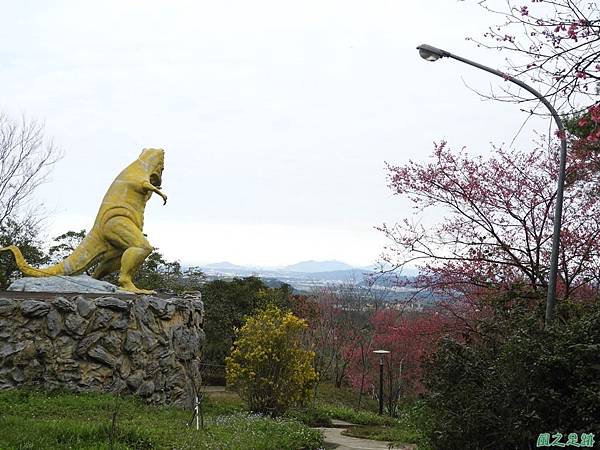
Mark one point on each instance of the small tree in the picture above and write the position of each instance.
(64, 245)
(26, 161)
(159, 274)
(337, 319)
(268, 365)
(226, 304)
(24, 234)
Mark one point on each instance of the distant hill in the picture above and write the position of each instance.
(318, 266)
(324, 270)
(305, 276)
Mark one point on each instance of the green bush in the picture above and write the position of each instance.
(313, 417)
(268, 365)
(226, 304)
(414, 423)
(512, 379)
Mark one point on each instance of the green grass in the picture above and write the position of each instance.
(382, 433)
(337, 403)
(357, 417)
(344, 396)
(61, 421)
(313, 417)
(223, 403)
(40, 420)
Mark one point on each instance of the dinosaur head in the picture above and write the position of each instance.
(153, 161)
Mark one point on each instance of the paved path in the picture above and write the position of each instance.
(213, 389)
(334, 436)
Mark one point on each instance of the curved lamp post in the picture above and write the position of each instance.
(431, 53)
(381, 354)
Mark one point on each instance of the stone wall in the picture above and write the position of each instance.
(145, 345)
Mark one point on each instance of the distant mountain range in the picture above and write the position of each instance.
(305, 275)
(318, 266)
(304, 267)
(223, 265)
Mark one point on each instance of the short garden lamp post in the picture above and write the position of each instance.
(430, 53)
(381, 354)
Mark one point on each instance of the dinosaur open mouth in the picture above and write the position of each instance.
(156, 180)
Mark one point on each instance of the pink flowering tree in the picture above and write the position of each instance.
(553, 44)
(409, 338)
(495, 235)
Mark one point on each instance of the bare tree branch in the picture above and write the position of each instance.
(26, 159)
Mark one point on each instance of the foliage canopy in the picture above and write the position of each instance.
(510, 379)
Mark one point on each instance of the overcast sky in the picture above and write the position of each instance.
(276, 117)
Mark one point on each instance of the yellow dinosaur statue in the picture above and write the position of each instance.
(116, 240)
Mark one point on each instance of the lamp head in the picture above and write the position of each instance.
(430, 53)
(381, 352)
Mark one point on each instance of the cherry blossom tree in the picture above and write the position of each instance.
(409, 338)
(554, 44)
(496, 233)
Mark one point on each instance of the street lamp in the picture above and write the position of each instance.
(431, 53)
(381, 353)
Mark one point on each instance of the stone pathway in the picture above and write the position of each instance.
(334, 437)
(213, 389)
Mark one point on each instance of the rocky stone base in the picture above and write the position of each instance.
(65, 284)
(144, 345)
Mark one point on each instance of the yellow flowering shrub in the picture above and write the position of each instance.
(268, 365)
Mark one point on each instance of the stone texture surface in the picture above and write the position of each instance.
(65, 284)
(144, 345)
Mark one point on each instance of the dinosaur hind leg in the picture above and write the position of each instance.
(107, 266)
(131, 260)
(124, 235)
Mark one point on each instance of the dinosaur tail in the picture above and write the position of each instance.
(29, 271)
(86, 254)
